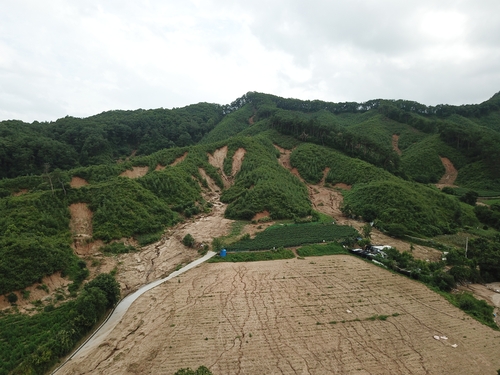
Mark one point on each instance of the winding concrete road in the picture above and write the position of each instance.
(114, 318)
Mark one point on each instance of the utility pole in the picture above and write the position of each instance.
(466, 246)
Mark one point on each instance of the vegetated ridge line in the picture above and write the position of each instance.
(121, 308)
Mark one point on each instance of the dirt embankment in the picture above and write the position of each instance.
(395, 142)
(449, 176)
(324, 315)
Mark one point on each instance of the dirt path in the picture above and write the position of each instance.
(323, 315)
(395, 141)
(449, 176)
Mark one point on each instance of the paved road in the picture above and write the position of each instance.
(110, 323)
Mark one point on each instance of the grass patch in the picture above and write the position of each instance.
(254, 256)
(332, 248)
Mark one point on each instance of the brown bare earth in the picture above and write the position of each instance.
(238, 157)
(77, 182)
(54, 283)
(261, 215)
(136, 172)
(324, 315)
(251, 120)
(449, 176)
(217, 160)
(395, 141)
(81, 220)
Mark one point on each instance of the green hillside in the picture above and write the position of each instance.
(348, 143)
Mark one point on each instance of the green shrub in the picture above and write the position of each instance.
(254, 256)
(188, 240)
(12, 298)
(117, 248)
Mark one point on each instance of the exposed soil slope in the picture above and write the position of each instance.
(449, 176)
(136, 172)
(395, 141)
(238, 157)
(217, 160)
(319, 316)
(77, 182)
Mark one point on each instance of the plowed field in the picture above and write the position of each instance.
(322, 315)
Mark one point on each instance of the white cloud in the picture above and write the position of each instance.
(62, 58)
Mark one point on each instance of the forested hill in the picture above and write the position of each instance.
(469, 135)
(412, 171)
(70, 142)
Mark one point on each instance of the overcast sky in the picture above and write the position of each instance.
(80, 58)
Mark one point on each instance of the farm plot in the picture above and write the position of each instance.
(324, 315)
(294, 235)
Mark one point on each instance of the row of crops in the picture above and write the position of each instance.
(294, 235)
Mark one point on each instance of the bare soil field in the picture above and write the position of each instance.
(449, 176)
(322, 315)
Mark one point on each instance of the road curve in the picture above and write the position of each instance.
(117, 314)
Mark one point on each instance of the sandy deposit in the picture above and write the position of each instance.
(313, 316)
